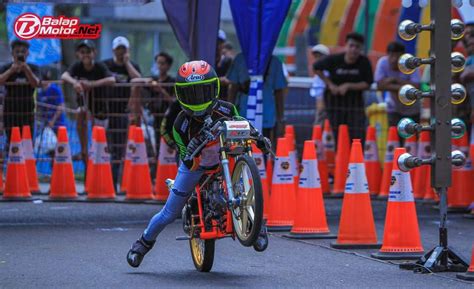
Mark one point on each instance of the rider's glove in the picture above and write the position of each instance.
(194, 145)
(264, 144)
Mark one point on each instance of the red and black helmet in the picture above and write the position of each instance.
(197, 87)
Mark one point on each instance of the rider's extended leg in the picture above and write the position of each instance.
(184, 184)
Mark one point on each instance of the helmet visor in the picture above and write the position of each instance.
(197, 93)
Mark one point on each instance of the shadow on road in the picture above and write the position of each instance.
(184, 277)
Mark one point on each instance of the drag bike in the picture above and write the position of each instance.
(228, 202)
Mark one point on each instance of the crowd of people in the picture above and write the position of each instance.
(339, 82)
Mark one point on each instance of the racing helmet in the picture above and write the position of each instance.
(197, 87)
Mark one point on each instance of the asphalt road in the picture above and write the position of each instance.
(83, 245)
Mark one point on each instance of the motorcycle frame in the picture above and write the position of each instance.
(216, 232)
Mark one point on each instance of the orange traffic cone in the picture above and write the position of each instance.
(310, 218)
(269, 167)
(469, 275)
(342, 161)
(401, 239)
(260, 161)
(90, 160)
(421, 178)
(128, 160)
(140, 187)
(30, 162)
(102, 187)
(329, 150)
(322, 164)
(16, 185)
(356, 227)
(387, 166)
(62, 180)
(280, 217)
(290, 137)
(371, 158)
(167, 169)
(460, 194)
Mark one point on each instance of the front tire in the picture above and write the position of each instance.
(248, 216)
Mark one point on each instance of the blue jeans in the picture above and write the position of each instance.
(184, 184)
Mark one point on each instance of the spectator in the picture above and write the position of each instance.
(390, 79)
(161, 95)
(223, 63)
(318, 87)
(51, 103)
(228, 50)
(21, 79)
(350, 73)
(89, 79)
(124, 70)
(273, 96)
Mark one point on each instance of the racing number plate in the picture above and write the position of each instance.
(239, 129)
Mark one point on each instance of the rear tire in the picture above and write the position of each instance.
(248, 217)
(202, 252)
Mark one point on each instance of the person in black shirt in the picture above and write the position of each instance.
(89, 79)
(21, 79)
(350, 73)
(162, 93)
(223, 63)
(124, 70)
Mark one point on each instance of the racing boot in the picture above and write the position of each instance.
(138, 251)
(261, 243)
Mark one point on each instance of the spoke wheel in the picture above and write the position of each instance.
(202, 252)
(247, 217)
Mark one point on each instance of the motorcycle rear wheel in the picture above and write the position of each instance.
(202, 252)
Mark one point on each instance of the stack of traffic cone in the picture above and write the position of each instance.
(387, 166)
(62, 180)
(469, 275)
(310, 218)
(140, 187)
(30, 161)
(342, 161)
(371, 159)
(167, 169)
(322, 164)
(128, 160)
(280, 217)
(90, 160)
(260, 161)
(16, 185)
(460, 195)
(411, 148)
(356, 227)
(401, 239)
(102, 187)
(421, 178)
(329, 150)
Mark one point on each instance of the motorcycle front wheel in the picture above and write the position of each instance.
(247, 217)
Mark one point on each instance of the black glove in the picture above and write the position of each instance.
(264, 144)
(194, 145)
